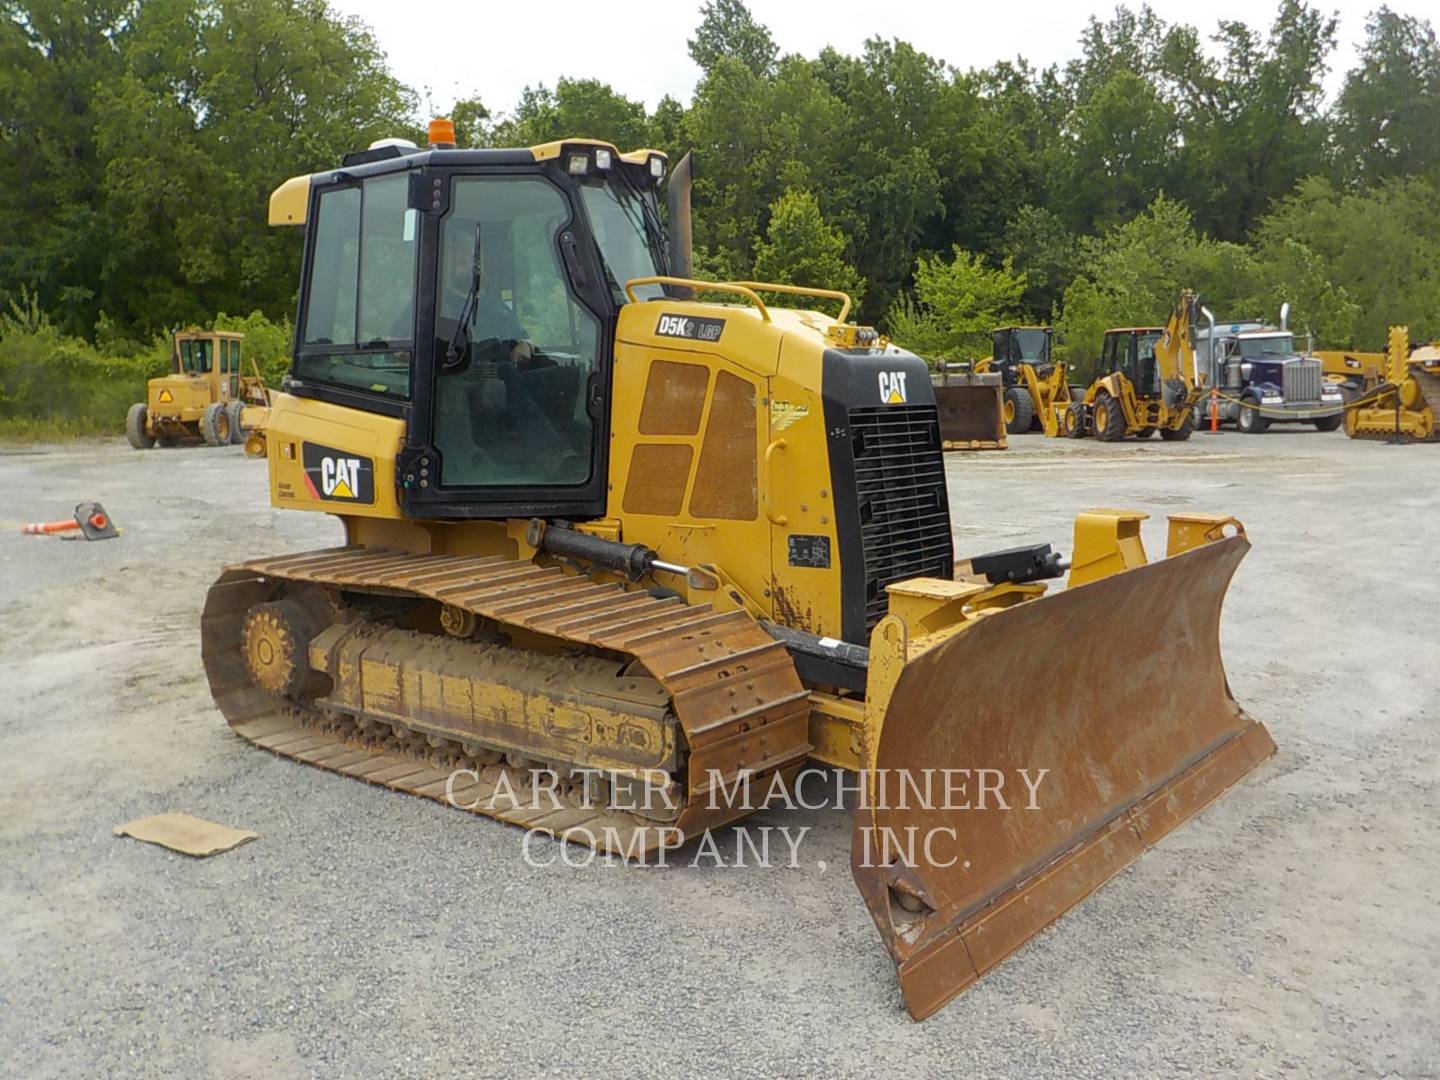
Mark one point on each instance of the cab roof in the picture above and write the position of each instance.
(290, 202)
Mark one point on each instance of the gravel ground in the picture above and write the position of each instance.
(1290, 929)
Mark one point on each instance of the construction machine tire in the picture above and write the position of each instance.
(237, 430)
(1019, 411)
(1107, 418)
(215, 424)
(1181, 433)
(135, 431)
(1073, 423)
(1251, 421)
(1329, 423)
(1133, 743)
(1146, 432)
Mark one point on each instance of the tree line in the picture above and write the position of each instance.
(139, 141)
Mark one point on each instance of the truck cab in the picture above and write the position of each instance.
(1263, 379)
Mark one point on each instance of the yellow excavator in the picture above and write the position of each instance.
(1405, 407)
(1144, 382)
(631, 550)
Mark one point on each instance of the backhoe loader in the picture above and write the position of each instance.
(611, 540)
(1405, 407)
(1144, 382)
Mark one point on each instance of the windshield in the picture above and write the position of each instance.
(1258, 347)
(627, 230)
(195, 356)
(1030, 346)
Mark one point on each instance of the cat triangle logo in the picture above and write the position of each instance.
(342, 491)
(892, 387)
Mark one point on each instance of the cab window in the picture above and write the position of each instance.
(195, 356)
(359, 304)
(514, 349)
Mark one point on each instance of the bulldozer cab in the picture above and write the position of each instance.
(213, 357)
(478, 298)
(1015, 345)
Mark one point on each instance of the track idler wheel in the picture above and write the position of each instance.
(274, 641)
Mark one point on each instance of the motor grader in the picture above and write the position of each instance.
(1405, 407)
(603, 532)
(1144, 382)
(205, 396)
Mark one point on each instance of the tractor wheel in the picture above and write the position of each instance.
(215, 424)
(1019, 411)
(233, 410)
(1250, 421)
(1329, 423)
(1073, 423)
(1145, 432)
(1181, 433)
(1107, 418)
(135, 431)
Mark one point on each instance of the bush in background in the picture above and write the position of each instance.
(53, 385)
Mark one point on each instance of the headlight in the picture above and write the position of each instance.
(657, 167)
(602, 159)
(1271, 399)
(577, 165)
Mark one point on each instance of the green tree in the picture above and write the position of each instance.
(582, 108)
(801, 249)
(1387, 118)
(728, 29)
(957, 303)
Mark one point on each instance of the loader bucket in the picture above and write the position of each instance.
(971, 415)
(1115, 688)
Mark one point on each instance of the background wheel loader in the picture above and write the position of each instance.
(1405, 407)
(609, 541)
(1144, 382)
(1036, 393)
(203, 398)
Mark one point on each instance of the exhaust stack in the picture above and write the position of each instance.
(680, 237)
(1285, 315)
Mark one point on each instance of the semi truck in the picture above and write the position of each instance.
(1260, 378)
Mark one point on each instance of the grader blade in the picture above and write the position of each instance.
(1108, 700)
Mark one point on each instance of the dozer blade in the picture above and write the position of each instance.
(1114, 688)
(971, 416)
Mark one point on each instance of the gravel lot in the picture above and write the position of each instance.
(1291, 929)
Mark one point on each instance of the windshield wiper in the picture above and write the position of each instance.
(649, 224)
(467, 309)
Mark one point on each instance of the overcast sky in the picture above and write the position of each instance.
(494, 49)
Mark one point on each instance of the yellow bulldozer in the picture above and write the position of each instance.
(1144, 382)
(1405, 406)
(204, 398)
(612, 552)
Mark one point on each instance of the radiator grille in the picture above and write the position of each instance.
(1302, 380)
(900, 496)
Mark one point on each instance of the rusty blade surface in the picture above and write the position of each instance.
(970, 416)
(1115, 689)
